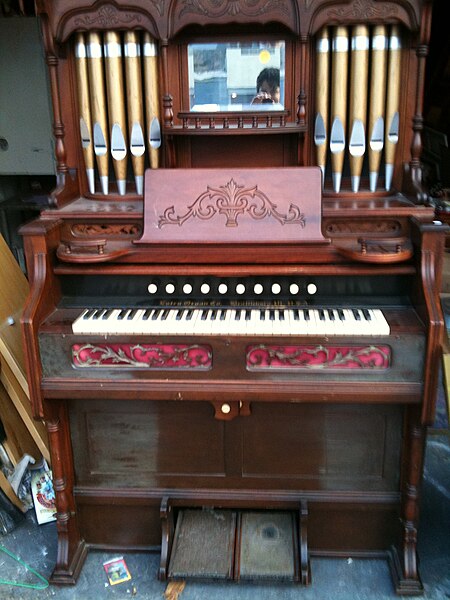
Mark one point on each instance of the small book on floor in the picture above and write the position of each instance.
(117, 570)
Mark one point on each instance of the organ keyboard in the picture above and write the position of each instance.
(248, 332)
(235, 321)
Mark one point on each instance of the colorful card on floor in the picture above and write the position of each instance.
(117, 570)
(43, 493)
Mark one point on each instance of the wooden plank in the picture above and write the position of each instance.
(446, 365)
(9, 492)
(13, 293)
(21, 403)
(14, 289)
(19, 440)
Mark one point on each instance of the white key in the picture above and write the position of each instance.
(382, 326)
(83, 322)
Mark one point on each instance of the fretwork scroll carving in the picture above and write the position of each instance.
(233, 200)
(219, 8)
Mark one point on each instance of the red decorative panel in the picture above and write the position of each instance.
(266, 356)
(142, 356)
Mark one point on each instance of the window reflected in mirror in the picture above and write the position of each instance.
(236, 76)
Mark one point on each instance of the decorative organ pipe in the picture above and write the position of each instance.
(135, 106)
(358, 102)
(364, 115)
(118, 99)
(98, 106)
(392, 103)
(116, 107)
(377, 102)
(322, 92)
(339, 52)
(151, 95)
(85, 109)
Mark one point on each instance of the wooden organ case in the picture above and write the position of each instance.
(309, 405)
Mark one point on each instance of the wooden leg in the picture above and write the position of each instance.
(72, 550)
(403, 561)
(305, 566)
(168, 529)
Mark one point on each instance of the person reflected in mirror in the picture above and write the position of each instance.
(268, 87)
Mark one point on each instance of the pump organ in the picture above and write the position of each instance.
(239, 329)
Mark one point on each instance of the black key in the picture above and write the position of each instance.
(107, 313)
(366, 314)
(356, 314)
(331, 315)
(90, 313)
(341, 314)
(321, 315)
(132, 313)
(147, 314)
(156, 314)
(123, 313)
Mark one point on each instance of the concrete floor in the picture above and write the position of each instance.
(332, 579)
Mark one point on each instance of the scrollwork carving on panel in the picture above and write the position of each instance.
(362, 9)
(108, 16)
(232, 200)
(359, 227)
(128, 230)
(220, 8)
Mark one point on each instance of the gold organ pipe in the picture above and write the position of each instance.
(392, 103)
(84, 109)
(152, 98)
(98, 106)
(338, 103)
(358, 101)
(116, 106)
(135, 107)
(377, 100)
(322, 95)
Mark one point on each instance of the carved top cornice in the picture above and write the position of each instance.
(334, 12)
(207, 12)
(166, 18)
(64, 17)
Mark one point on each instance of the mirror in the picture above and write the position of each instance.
(236, 76)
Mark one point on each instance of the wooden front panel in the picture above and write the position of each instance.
(176, 445)
(333, 446)
(249, 151)
(136, 443)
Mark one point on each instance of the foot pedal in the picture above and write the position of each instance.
(236, 545)
(203, 544)
(268, 546)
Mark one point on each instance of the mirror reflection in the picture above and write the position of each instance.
(236, 76)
